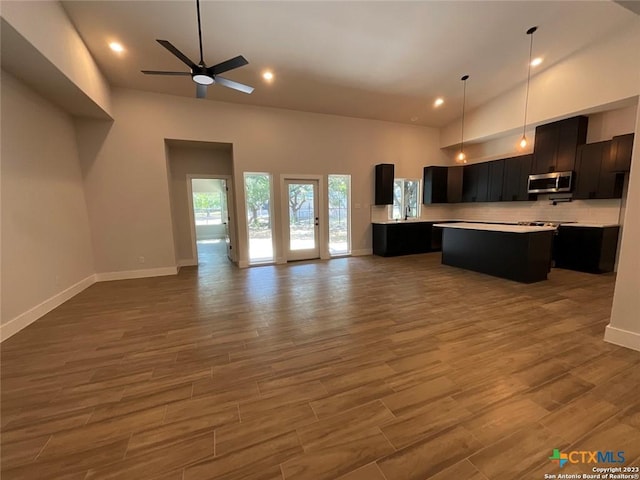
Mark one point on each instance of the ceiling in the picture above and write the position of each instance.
(379, 60)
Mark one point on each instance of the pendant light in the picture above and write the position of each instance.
(523, 140)
(461, 156)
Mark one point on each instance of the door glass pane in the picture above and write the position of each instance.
(208, 196)
(258, 200)
(339, 191)
(302, 216)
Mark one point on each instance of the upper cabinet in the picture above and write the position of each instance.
(434, 183)
(384, 184)
(594, 175)
(516, 176)
(496, 180)
(454, 184)
(442, 185)
(621, 147)
(475, 182)
(556, 144)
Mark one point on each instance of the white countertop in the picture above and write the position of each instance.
(492, 227)
(411, 220)
(487, 223)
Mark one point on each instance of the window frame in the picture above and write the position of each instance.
(403, 205)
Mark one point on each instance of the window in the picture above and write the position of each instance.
(339, 224)
(257, 189)
(406, 194)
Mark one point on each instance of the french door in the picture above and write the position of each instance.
(302, 222)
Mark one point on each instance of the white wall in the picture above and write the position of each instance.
(185, 160)
(624, 327)
(48, 29)
(130, 167)
(608, 124)
(46, 244)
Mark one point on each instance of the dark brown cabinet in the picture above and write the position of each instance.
(434, 181)
(586, 249)
(442, 185)
(595, 177)
(454, 184)
(475, 182)
(516, 176)
(556, 144)
(496, 180)
(621, 148)
(384, 184)
(401, 238)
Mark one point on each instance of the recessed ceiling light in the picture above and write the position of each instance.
(268, 76)
(116, 47)
(438, 102)
(536, 61)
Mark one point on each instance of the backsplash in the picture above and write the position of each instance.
(586, 211)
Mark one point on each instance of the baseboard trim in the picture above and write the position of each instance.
(131, 274)
(362, 252)
(25, 319)
(623, 338)
(187, 263)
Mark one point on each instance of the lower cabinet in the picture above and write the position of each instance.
(586, 249)
(402, 238)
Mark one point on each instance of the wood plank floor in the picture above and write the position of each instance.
(357, 368)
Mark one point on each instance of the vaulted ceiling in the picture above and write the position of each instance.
(379, 60)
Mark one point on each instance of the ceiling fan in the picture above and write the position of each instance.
(202, 75)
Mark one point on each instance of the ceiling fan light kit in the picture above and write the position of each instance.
(202, 75)
(202, 79)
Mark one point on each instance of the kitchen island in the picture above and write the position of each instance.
(516, 252)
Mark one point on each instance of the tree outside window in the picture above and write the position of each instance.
(406, 194)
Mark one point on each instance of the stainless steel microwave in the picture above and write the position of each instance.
(550, 182)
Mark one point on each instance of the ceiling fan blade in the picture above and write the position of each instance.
(169, 46)
(201, 91)
(225, 82)
(158, 72)
(227, 65)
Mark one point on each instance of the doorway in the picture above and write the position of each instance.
(210, 219)
(302, 236)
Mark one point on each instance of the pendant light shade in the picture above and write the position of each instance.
(523, 140)
(462, 158)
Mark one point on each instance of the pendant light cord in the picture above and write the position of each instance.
(530, 32)
(464, 101)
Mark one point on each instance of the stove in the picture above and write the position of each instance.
(544, 223)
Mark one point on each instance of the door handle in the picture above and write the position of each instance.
(317, 222)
